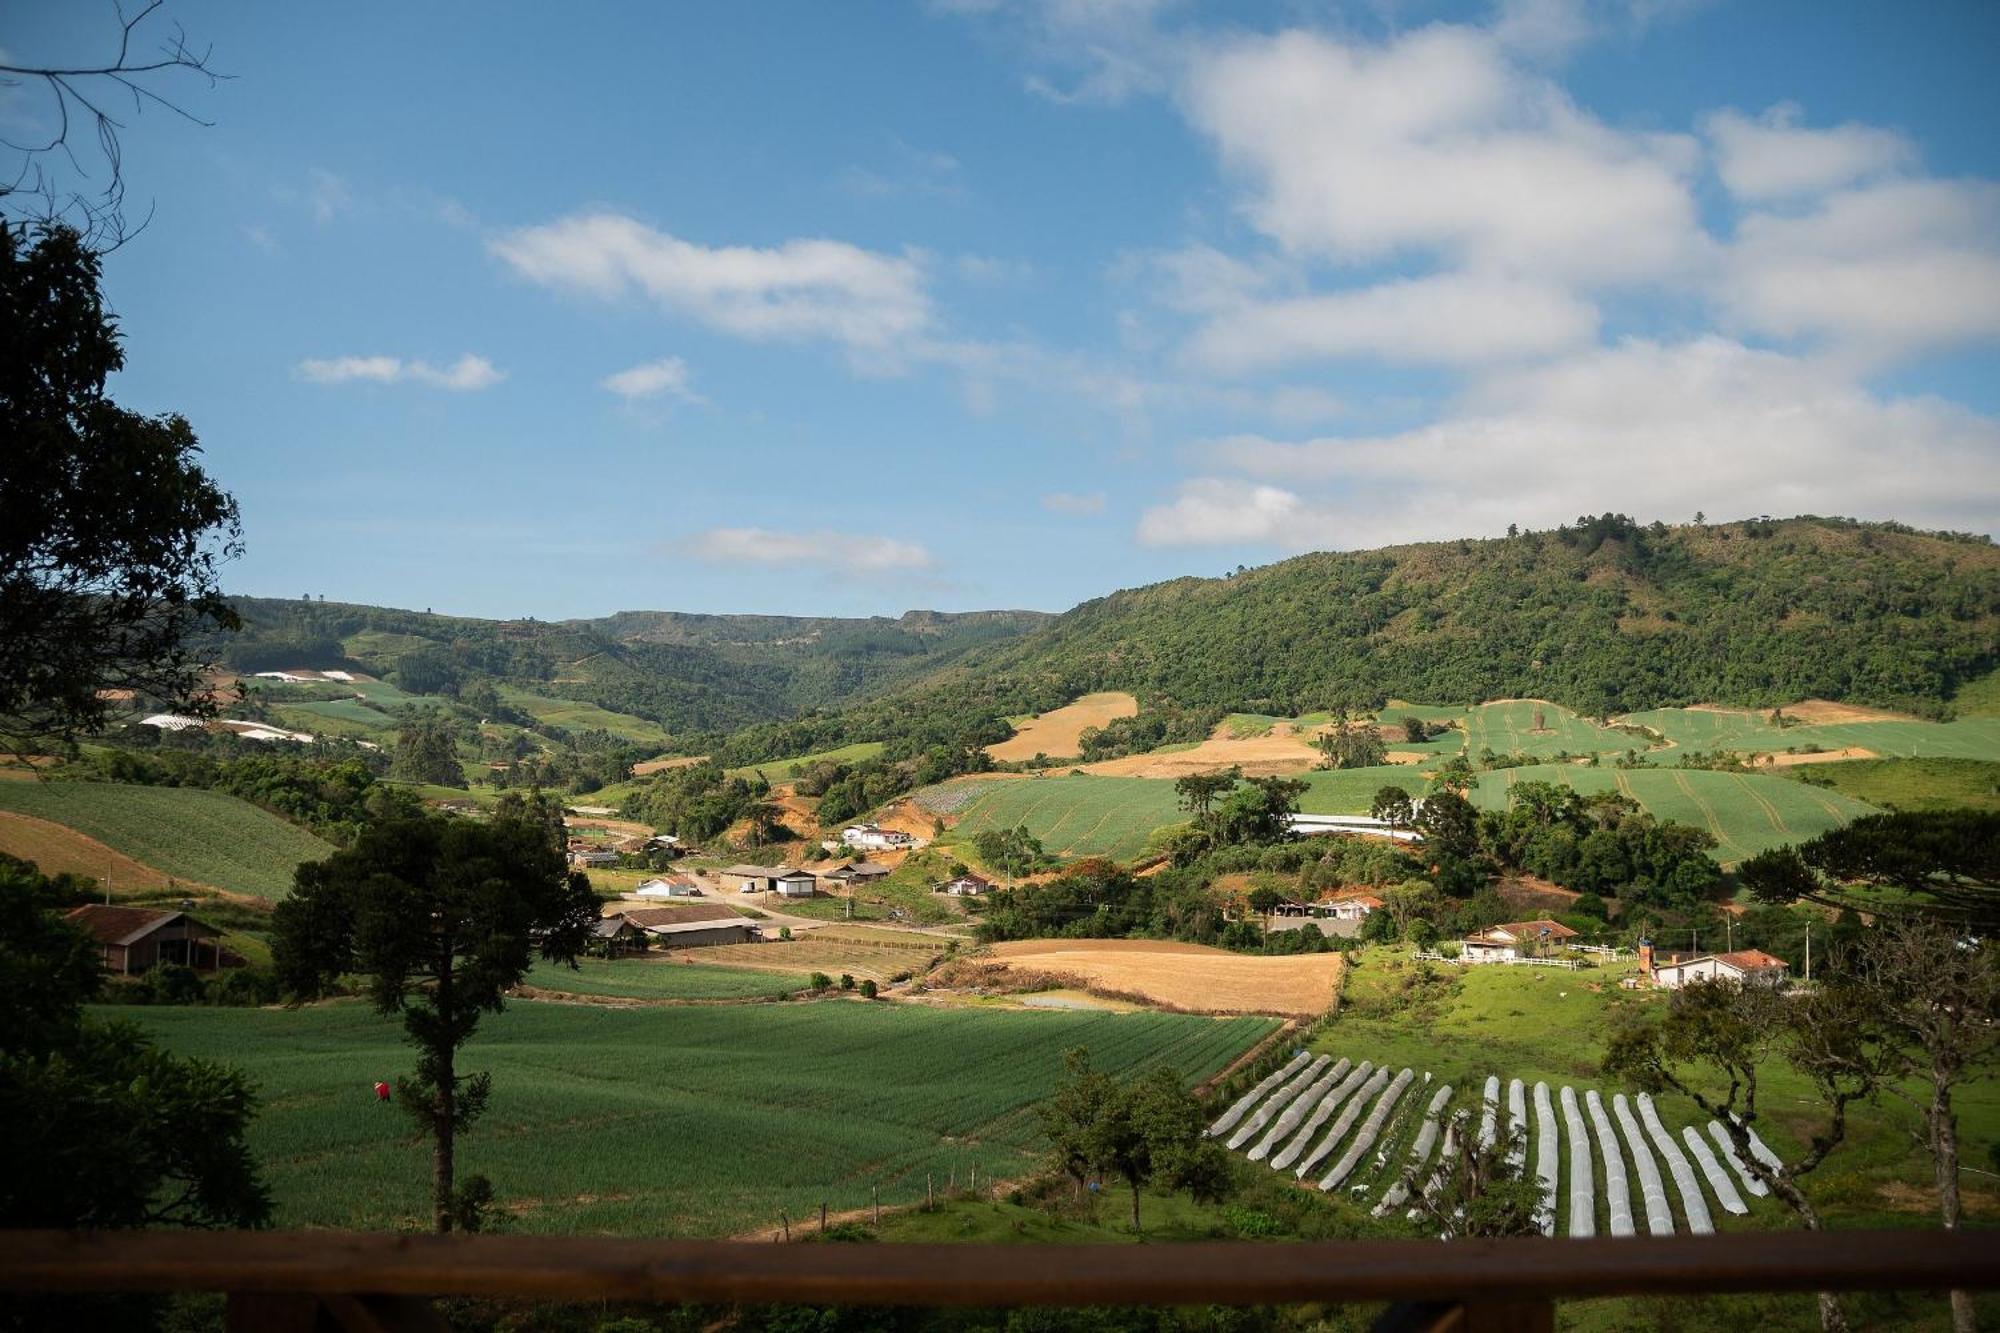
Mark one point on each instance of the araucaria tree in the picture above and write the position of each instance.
(112, 534)
(444, 916)
(1720, 1035)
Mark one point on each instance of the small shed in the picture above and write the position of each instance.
(136, 939)
(751, 879)
(850, 873)
(797, 884)
(585, 857)
(692, 925)
(617, 936)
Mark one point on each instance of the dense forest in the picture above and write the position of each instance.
(1606, 615)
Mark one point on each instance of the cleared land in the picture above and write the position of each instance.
(822, 951)
(1186, 976)
(1055, 733)
(1747, 812)
(1280, 748)
(661, 765)
(571, 715)
(1915, 784)
(204, 836)
(60, 850)
(1838, 728)
(684, 1121)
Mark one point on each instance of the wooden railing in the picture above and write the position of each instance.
(307, 1279)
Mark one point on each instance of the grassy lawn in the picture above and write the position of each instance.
(1910, 784)
(205, 836)
(685, 1121)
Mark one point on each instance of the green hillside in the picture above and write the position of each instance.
(185, 832)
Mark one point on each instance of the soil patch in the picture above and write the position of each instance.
(1824, 712)
(59, 850)
(1056, 733)
(1818, 757)
(1188, 977)
(661, 765)
(1279, 752)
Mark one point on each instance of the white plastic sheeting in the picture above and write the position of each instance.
(1711, 1170)
(1762, 1153)
(1297, 1111)
(1617, 1194)
(1659, 1213)
(1277, 1102)
(1370, 1127)
(1342, 1123)
(1420, 1153)
(1548, 1161)
(1750, 1182)
(1693, 1206)
(1228, 1119)
(1489, 1110)
(1327, 1106)
(1582, 1198)
(1517, 1125)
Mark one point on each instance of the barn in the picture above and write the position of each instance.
(136, 939)
(692, 926)
(751, 879)
(797, 884)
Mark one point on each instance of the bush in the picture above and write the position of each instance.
(868, 989)
(1589, 904)
(847, 981)
(820, 981)
(1422, 933)
(1449, 951)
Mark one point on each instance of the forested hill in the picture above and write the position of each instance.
(1604, 616)
(691, 673)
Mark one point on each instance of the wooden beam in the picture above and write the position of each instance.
(595, 1268)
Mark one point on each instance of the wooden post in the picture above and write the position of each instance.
(974, 1186)
(786, 1223)
(822, 1215)
(930, 1198)
(875, 1202)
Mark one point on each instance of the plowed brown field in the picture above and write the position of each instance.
(1191, 977)
(1055, 733)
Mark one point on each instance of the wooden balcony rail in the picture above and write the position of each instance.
(1498, 1283)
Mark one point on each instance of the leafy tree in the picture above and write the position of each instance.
(444, 916)
(1258, 812)
(1482, 1191)
(1145, 1130)
(1408, 901)
(1351, 744)
(427, 749)
(1450, 826)
(1392, 806)
(1724, 1034)
(1015, 851)
(1948, 860)
(1198, 791)
(114, 535)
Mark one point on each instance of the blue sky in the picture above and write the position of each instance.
(847, 309)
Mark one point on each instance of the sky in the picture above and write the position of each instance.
(845, 309)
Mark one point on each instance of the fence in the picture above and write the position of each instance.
(304, 1280)
(1569, 964)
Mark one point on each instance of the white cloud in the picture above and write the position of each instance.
(867, 301)
(1090, 51)
(1883, 268)
(1772, 157)
(669, 375)
(1212, 511)
(1451, 319)
(837, 552)
(1647, 428)
(1067, 502)
(327, 195)
(466, 374)
(1439, 143)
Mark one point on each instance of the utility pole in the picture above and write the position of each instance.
(1729, 924)
(1808, 950)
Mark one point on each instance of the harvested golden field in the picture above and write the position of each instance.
(1279, 752)
(1817, 757)
(1824, 712)
(60, 850)
(1189, 977)
(819, 951)
(1055, 733)
(661, 765)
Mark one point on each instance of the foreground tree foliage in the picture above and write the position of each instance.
(1146, 1130)
(1946, 862)
(113, 534)
(444, 916)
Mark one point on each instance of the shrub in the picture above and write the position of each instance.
(868, 989)
(847, 981)
(1589, 904)
(820, 981)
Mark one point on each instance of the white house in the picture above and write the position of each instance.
(1515, 939)
(668, 886)
(797, 884)
(967, 885)
(1356, 908)
(875, 836)
(1750, 967)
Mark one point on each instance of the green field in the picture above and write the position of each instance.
(1351, 791)
(1979, 698)
(1909, 784)
(646, 979)
(571, 715)
(1076, 815)
(692, 1121)
(1708, 729)
(1747, 732)
(784, 770)
(185, 832)
(346, 710)
(1509, 728)
(1747, 812)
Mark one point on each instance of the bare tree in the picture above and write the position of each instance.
(84, 102)
(1935, 993)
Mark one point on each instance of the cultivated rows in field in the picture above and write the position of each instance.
(657, 979)
(190, 834)
(1747, 812)
(1752, 733)
(1508, 727)
(688, 1121)
(1075, 816)
(572, 715)
(1382, 1137)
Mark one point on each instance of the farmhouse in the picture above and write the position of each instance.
(851, 873)
(1355, 908)
(616, 936)
(668, 886)
(134, 939)
(967, 885)
(797, 884)
(585, 857)
(874, 835)
(1515, 939)
(692, 925)
(751, 879)
(1749, 967)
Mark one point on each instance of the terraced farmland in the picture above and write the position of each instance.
(203, 836)
(1076, 816)
(690, 1121)
(1747, 812)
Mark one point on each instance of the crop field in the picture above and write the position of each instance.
(1186, 976)
(1509, 728)
(184, 832)
(1747, 812)
(822, 951)
(1708, 729)
(1076, 816)
(60, 850)
(653, 979)
(1750, 732)
(1912, 784)
(571, 715)
(1351, 791)
(1055, 732)
(346, 710)
(784, 770)
(691, 1121)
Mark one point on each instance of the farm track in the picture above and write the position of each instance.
(1770, 810)
(1722, 838)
